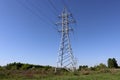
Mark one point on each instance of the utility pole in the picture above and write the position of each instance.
(66, 59)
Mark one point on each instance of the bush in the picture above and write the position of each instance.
(26, 66)
(85, 72)
(2, 75)
(105, 71)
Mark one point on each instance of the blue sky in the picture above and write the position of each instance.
(28, 34)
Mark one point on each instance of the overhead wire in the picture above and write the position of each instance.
(43, 14)
(55, 9)
(33, 12)
(53, 6)
(29, 9)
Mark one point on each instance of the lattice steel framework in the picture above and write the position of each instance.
(66, 59)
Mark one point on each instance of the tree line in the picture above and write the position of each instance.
(24, 66)
(111, 63)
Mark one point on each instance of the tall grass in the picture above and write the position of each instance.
(38, 75)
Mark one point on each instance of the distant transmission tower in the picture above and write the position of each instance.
(66, 59)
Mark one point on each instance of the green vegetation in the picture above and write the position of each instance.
(112, 63)
(38, 75)
(21, 71)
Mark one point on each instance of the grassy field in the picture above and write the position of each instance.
(86, 75)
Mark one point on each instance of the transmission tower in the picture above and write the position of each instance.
(66, 59)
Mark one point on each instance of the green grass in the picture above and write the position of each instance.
(100, 76)
(91, 75)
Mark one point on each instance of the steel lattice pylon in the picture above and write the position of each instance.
(66, 59)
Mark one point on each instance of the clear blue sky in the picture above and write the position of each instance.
(27, 31)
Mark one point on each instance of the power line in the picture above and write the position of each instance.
(52, 4)
(34, 13)
(42, 13)
(28, 8)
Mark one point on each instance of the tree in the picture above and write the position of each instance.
(102, 66)
(26, 66)
(1, 68)
(14, 66)
(112, 63)
(115, 63)
(84, 67)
